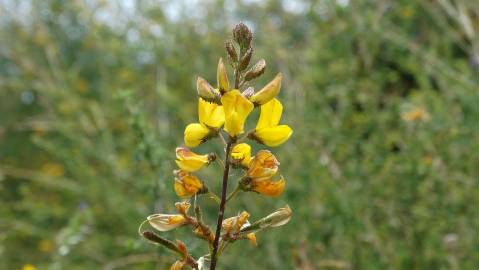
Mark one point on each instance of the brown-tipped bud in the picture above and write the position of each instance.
(256, 70)
(232, 54)
(222, 77)
(153, 237)
(245, 59)
(242, 35)
(268, 92)
(206, 91)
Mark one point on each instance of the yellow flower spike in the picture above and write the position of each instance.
(187, 185)
(236, 108)
(267, 130)
(241, 154)
(178, 265)
(191, 162)
(263, 165)
(165, 222)
(268, 187)
(210, 114)
(268, 92)
(252, 238)
(195, 134)
(222, 77)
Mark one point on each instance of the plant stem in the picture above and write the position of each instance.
(222, 205)
(232, 194)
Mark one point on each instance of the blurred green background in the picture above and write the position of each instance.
(382, 170)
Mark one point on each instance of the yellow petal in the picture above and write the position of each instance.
(187, 185)
(251, 238)
(189, 161)
(210, 114)
(273, 136)
(195, 134)
(222, 77)
(270, 114)
(268, 92)
(269, 187)
(242, 153)
(236, 108)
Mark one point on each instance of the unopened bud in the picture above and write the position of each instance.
(233, 55)
(256, 70)
(268, 92)
(222, 77)
(245, 59)
(153, 237)
(242, 35)
(206, 91)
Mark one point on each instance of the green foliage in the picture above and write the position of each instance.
(95, 95)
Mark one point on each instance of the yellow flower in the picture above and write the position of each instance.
(29, 267)
(195, 134)
(211, 118)
(263, 165)
(222, 77)
(416, 114)
(268, 187)
(268, 92)
(189, 161)
(267, 130)
(241, 154)
(182, 207)
(187, 185)
(165, 222)
(236, 223)
(236, 108)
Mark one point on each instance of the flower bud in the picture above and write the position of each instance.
(206, 91)
(268, 92)
(191, 162)
(242, 35)
(195, 134)
(232, 54)
(222, 77)
(256, 70)
(241, 154)
(245, 59)
(164, 222)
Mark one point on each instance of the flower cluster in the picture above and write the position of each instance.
(222, 113)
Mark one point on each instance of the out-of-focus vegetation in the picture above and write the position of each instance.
(382, 169)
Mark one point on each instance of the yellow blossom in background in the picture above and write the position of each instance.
(237, 108)
(29, 267)
(263, 165)
(267, 129)
(165, 222)
(189, 161)
(241, 153)
(268, 92)
(187, 185)
(53, 169)
(416, 114)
